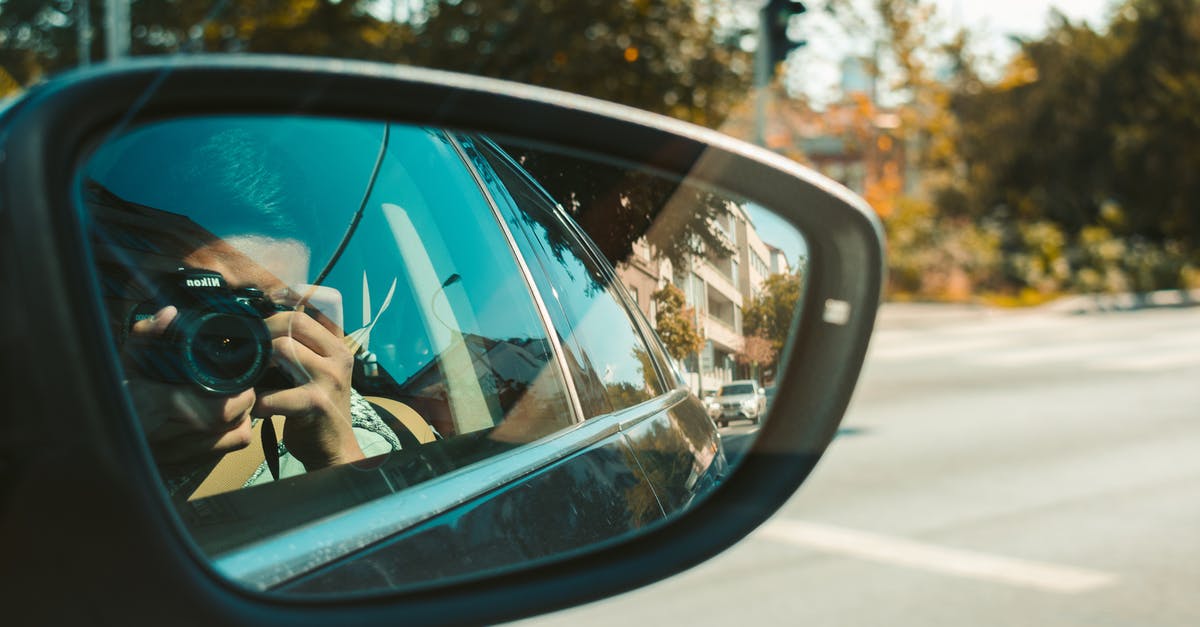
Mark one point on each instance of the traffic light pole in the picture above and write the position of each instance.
(116, 28)
(773, 47)
(762, 78)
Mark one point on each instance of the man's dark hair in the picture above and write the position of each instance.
(222, 173)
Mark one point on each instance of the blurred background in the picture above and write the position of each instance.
(1022, 447)
(1016, 153)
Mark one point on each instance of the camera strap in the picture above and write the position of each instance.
(270, 446)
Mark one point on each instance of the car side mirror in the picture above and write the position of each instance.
(477, 260)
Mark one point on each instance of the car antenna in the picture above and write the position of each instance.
(362, 205)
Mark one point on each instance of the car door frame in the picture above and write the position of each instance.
(706, 454)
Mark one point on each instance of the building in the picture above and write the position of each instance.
(718, 289)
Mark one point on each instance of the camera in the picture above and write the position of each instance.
(218, 341)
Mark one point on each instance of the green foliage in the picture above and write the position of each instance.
(1040, 260)
(39, 39)
(1111, 264)
(937, 256)
(622, 394)
(770, 315)
(617, 206)
(759, 353)
(660, 453)
(36, 37)
(1075, 171)
(676, 324)
(667, 56)
(1087, 152)
(663, 56)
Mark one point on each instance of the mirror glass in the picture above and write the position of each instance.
(367, 356)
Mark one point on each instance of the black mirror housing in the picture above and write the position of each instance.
(87, 518)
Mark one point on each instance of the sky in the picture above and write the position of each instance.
(997, 20)
(817, 66)
(1021, 16)
(777, 232)
(815, 69)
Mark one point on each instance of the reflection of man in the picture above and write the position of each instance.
(226, 178)
(325, 422)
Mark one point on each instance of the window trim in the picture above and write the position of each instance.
(292, 554)
(596, 258)
(577, 413)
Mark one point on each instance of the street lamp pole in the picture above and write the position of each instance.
(762, 77)
(116, 28)
(83, 31)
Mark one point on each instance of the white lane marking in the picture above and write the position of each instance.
(902, 552)
(935, 348)
(1150, 363)
(1053, 353)
(1152, 350)
(1019, 325)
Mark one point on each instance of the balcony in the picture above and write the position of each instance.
(722, 334)
(718, 282)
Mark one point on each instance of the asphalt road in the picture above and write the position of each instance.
(997, 468)
(737, 437)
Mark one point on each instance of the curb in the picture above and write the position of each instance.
(1101, 303)
(919, 315)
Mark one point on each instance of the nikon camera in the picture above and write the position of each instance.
(218, 341)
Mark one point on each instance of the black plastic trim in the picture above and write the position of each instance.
(90, 520)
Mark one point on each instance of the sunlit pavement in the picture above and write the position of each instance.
(996, 468)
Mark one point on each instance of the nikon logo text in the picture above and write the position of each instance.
(208, 281)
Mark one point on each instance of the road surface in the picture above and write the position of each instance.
(996, 468)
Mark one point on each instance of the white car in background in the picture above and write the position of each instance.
(742, 399)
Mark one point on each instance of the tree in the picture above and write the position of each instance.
(1029, 185)
(669, 56)
(676, 324)
(1094, 134)
(39, 39)
(36, 38)
(770, 315)
(618, 206)
(757, 352)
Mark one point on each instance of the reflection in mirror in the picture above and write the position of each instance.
(716, 278)
(367, 355)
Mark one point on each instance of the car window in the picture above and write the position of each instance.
(611, 362)
(742, 388)
(282, 279)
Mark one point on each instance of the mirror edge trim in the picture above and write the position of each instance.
(86, 101)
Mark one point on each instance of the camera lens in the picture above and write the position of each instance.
(226, 353)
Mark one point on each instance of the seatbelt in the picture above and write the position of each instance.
(235, 468)
(270, 446)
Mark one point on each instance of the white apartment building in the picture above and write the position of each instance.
(717, 289)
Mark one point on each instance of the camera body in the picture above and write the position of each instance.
(218, 341)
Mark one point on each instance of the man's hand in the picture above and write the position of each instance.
(314, 356)
(183, 423)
